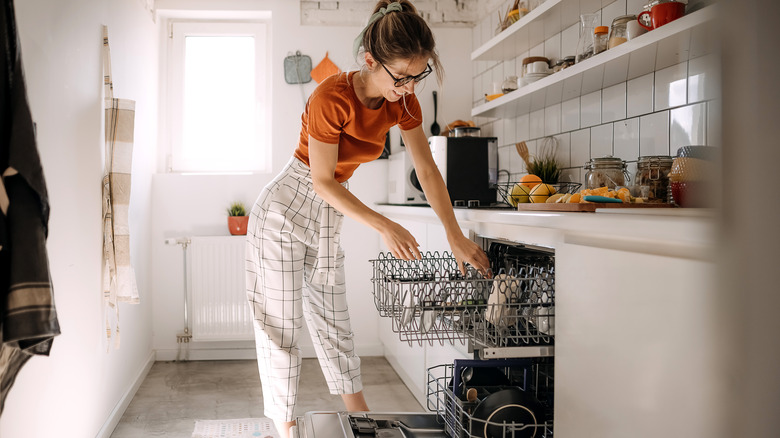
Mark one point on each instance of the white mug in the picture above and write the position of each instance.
(633, 29)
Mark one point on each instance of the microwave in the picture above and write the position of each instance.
(469, 167)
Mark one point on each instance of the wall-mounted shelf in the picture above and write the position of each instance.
(543, 22)
(671, 44)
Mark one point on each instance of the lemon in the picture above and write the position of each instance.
(554, 198)
(519, 195)
(541, 192)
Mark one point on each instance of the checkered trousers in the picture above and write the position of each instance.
(287, 227)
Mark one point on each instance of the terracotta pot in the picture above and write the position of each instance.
(237, 225)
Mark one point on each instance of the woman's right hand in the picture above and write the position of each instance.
(400, 242)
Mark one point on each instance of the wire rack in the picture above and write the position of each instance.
(430, 300)
(458, 414)
(505, 189)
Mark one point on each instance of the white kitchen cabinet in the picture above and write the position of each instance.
(638, 342)
(407, 360)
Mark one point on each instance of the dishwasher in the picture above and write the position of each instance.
(508, 321)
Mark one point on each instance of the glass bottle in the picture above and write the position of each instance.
(588, 23)
(600, 39)
(509, 85)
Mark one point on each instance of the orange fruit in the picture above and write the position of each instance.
(624, 194)
(530, 181)
(575, 198)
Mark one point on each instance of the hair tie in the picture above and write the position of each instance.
(392, 7)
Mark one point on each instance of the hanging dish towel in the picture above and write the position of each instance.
(28, 318)
(118, 275)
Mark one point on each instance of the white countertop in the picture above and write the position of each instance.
(689, 233)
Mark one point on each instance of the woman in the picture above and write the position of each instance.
(294, 227)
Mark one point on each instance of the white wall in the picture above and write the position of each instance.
(186, 205)
(75, 390)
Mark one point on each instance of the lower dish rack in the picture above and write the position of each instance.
(430, 300)
(517, 403)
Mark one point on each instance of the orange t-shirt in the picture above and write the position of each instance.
(334, 115)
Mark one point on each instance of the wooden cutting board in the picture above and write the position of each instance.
(586, 207)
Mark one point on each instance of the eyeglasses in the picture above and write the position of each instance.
(400, 82)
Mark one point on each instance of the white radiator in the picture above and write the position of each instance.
(220, 311)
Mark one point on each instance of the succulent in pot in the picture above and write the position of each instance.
(237, 219)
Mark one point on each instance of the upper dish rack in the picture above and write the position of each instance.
(430, 300)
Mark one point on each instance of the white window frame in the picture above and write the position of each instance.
(179, 30)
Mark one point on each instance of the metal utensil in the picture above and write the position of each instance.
(435, 130)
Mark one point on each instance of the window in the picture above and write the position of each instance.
(218, 106)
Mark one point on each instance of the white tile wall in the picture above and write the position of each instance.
(615, 9)
(601, 140)
(523, 124)
(580, 147)
(613, 103)
(552, 119)
(537, 50)
(590, 109)
(537, 124)
(640, 95)
(703, 78)
(569, 39)
(635, 6)
(570, 114)
(626, 143)
(654, 134)
(563, 154)
(687, 126)
(510, 131)
(552, 47)
(671, 86)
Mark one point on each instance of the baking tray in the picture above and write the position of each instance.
(587, 206)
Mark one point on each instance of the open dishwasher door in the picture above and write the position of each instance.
(368, 424)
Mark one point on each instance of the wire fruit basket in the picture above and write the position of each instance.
(430, 300)
(505, 190)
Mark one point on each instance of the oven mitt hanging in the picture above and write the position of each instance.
(325, 68)
(297, 68)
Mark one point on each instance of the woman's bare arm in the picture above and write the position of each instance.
(436, 193)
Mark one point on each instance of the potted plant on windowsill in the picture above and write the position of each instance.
(237, 219)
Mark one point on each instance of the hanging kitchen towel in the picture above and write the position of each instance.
(28, 318)
(118, 275)
(325, 68)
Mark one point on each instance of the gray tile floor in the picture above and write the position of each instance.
(175, 394)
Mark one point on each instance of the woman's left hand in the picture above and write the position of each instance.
(466, 251)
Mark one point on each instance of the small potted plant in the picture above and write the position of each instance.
(237, 219)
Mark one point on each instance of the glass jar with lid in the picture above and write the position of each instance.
(652, 177)
(606, 172)
(618, 33)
